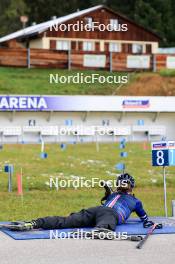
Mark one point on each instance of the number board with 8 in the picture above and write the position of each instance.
(163, 153)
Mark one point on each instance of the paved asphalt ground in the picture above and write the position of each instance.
(158, 249)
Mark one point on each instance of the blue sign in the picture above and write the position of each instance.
(123, 140)
(171, 147)
(160, 157)
(136, 104)
(43, 155)
(8, 168)
(160, 145)
(122, 145)
(63, 146)
(171, 157)
(124, 154)
(163, 153)
(120, 166)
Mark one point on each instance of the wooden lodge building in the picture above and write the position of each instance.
(53, 44)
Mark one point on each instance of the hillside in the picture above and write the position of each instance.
(152, 84)
(36, 81)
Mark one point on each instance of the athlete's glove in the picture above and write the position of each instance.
(149, 223)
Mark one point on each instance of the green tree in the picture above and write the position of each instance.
(11, 10)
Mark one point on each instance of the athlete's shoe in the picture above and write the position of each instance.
(20, 226)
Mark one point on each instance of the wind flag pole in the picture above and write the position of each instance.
(42, 145)
(97, 143)
(43, 154)
(165, 193)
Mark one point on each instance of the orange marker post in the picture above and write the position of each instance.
(19, 184)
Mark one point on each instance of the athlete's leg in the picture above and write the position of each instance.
(86, 217)
(106, 218)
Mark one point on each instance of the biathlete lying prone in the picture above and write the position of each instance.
(116, 210)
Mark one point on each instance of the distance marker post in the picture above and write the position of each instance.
(9, 169)
(97, 143)
(163, 155)
(165, 192)
(43, 154)
(63, 146)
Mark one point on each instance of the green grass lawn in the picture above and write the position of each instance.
(36, 81)
(167, 73)
(80, 160)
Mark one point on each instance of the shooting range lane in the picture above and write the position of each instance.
(133, 227)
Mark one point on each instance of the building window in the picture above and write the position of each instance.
(148, 48)
(114, 47)
(62, 45)
(32, 122)
(137, 48)
(89, 22)
(105, 122)
(88, 46)
(140, 122)
(114, 24)
(68, 122)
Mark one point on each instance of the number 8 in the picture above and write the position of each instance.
(160, 158)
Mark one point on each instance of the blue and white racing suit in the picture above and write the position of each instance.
(124, 204)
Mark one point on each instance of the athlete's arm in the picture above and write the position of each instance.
(141, 212)
(108, 192)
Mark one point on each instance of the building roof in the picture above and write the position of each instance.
(39, 28)
(42, 27)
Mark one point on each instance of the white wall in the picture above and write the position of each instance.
(118, 119)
